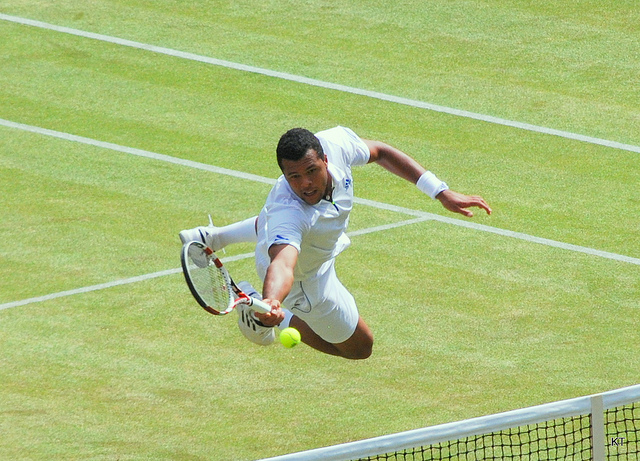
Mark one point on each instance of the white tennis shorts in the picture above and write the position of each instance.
(325, 305)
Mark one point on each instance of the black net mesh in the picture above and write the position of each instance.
(559, 439)
(622, 426)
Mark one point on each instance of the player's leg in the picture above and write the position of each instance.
(326, 315)
(358, 346)
(219, 237)
(337, 324)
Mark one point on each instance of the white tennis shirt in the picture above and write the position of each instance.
(316, 231)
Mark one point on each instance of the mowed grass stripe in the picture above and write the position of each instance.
(367, 202)
(323, 84)
(142, 278)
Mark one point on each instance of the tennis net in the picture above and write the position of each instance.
(597, 427)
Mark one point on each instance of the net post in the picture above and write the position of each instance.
(598, 441)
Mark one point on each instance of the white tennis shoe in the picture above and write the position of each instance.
(198, 256)
(209, 235)
(252, 328)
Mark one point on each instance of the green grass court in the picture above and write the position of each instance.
(468, 321)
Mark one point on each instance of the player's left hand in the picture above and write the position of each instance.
(459, 203)
(273, 318)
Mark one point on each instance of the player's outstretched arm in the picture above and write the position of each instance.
(278, 281)
(400, 164)
(394, 160)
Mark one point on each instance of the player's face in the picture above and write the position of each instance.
(308, 177)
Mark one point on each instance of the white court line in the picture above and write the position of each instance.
(366, 202)
(322, 84)
(137, 152)
(103, 286)
(141, 278)
(88, 289)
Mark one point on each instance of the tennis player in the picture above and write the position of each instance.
(301, 229)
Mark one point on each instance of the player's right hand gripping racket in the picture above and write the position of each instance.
(211, 284)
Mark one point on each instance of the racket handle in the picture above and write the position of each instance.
(259, 305)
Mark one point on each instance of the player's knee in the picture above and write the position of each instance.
(361, 350)
(363, 341)
(365, 352)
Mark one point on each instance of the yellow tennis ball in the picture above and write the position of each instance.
(289, 337)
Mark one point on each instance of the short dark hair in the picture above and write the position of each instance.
(295, 144)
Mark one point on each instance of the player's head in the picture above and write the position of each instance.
(295, 144)
(304, 165)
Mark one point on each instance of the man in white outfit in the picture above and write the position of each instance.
(302, 228)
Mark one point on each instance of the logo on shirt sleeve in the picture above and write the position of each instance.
(347, 183)
(281, 239)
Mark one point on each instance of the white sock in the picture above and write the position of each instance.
(242, 231)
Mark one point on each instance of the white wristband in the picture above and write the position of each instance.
(431, 185)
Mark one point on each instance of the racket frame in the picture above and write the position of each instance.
(236, 295)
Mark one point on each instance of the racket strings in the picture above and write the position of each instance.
(211, 285)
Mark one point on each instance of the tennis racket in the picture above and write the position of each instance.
(210, 282)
